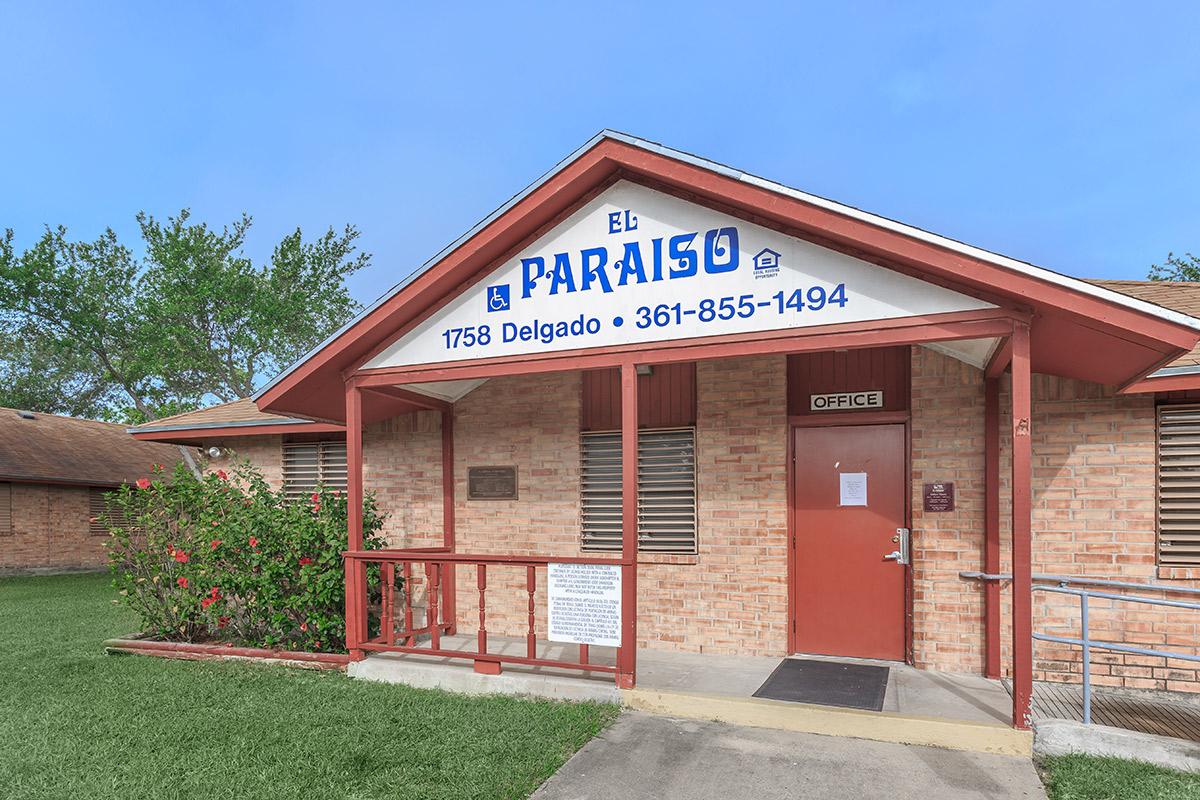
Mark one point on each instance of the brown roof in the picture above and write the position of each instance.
(238, 412)
(70, 450)
(1182, 296)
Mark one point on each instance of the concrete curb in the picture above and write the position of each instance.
(803, 718)
(1060, 737)
(463, 679)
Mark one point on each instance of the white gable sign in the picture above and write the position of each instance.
(635, 265)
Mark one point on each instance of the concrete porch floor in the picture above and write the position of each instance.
(920, 706)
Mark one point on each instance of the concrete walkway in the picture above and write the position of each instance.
(645, 757)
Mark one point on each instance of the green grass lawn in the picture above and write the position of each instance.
(1088, 778)
(77, 723)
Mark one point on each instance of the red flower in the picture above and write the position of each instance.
(181, 556)
(143, 483)
(316, 507)
(222, 474)
(303, 626)
(253, 542)
(216, 523)
(222, 622)
(158, 467)
(317, 645)
(315, 497)
(208, 601)
(305, 561)
(182, 583)
(216, 543)
(215, 592)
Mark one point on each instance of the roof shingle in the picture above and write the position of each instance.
(70, 450)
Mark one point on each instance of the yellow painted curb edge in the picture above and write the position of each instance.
(978, 737)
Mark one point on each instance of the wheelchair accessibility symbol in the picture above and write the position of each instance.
(498, 297)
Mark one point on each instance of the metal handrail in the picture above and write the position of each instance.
(1085, 642)
(1069, 579)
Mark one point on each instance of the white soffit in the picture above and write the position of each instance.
(976, 352)
(450, 391)
(637, 266)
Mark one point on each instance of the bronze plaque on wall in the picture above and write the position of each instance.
(491, 483)
(939, 496)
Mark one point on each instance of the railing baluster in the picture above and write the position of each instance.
(531, 587)
(1087, 659)
(435, 628)
(583, 654)
(481, 581)
(409, 640)
(387, 619)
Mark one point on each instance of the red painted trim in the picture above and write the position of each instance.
(991, 525)
(184, 649)
(356, 575)
(1000, 359)
(875, 333)
(1022, 533)
(196, 434)
(627, 653)
(440, 556)
(1166, 383)
(450, 590)
(819, 420)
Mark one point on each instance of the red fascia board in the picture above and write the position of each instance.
(197, 434)
(1164, 383)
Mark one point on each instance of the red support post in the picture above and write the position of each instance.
(627, 653)
(449, 584)
(1022, 534)
(991, 526)
(356, 574)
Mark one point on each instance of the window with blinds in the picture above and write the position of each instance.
(307, 465)
(6, 515)
(1179, 485)
(102, 514)
(666, 491)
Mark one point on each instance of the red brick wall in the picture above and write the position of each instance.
(50, 531)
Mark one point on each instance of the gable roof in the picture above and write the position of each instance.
(1081, 329)
(54, 449)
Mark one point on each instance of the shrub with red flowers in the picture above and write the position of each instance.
(223, 558)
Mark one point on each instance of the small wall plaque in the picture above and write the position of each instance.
(939, 496)
(491, 483)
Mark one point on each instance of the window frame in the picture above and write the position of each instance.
(1163, 470)
(329, 457)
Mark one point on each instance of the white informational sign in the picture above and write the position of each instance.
(853, 488)
(635, 265)
(845, 401)
(585, 603)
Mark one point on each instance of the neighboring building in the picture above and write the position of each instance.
(790, 428)
(54, 472)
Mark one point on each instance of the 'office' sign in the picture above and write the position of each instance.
(846, 401)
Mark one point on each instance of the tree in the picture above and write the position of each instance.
(1177, 268)
(93, 330)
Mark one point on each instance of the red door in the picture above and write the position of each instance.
(849, 497)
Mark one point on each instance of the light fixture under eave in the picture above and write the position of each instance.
(214, 452)
(644, 369)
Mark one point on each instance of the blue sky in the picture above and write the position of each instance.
(1063, 134)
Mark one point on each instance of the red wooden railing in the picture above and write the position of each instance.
(397, 633)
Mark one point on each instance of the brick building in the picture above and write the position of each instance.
(54, 472)
(802, 453)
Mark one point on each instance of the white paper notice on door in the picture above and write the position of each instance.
(853, 488)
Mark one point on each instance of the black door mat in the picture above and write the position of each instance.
(827, 683)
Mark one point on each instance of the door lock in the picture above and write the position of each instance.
(903, 553)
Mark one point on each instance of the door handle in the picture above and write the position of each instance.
(903, 554)
(895, 555)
